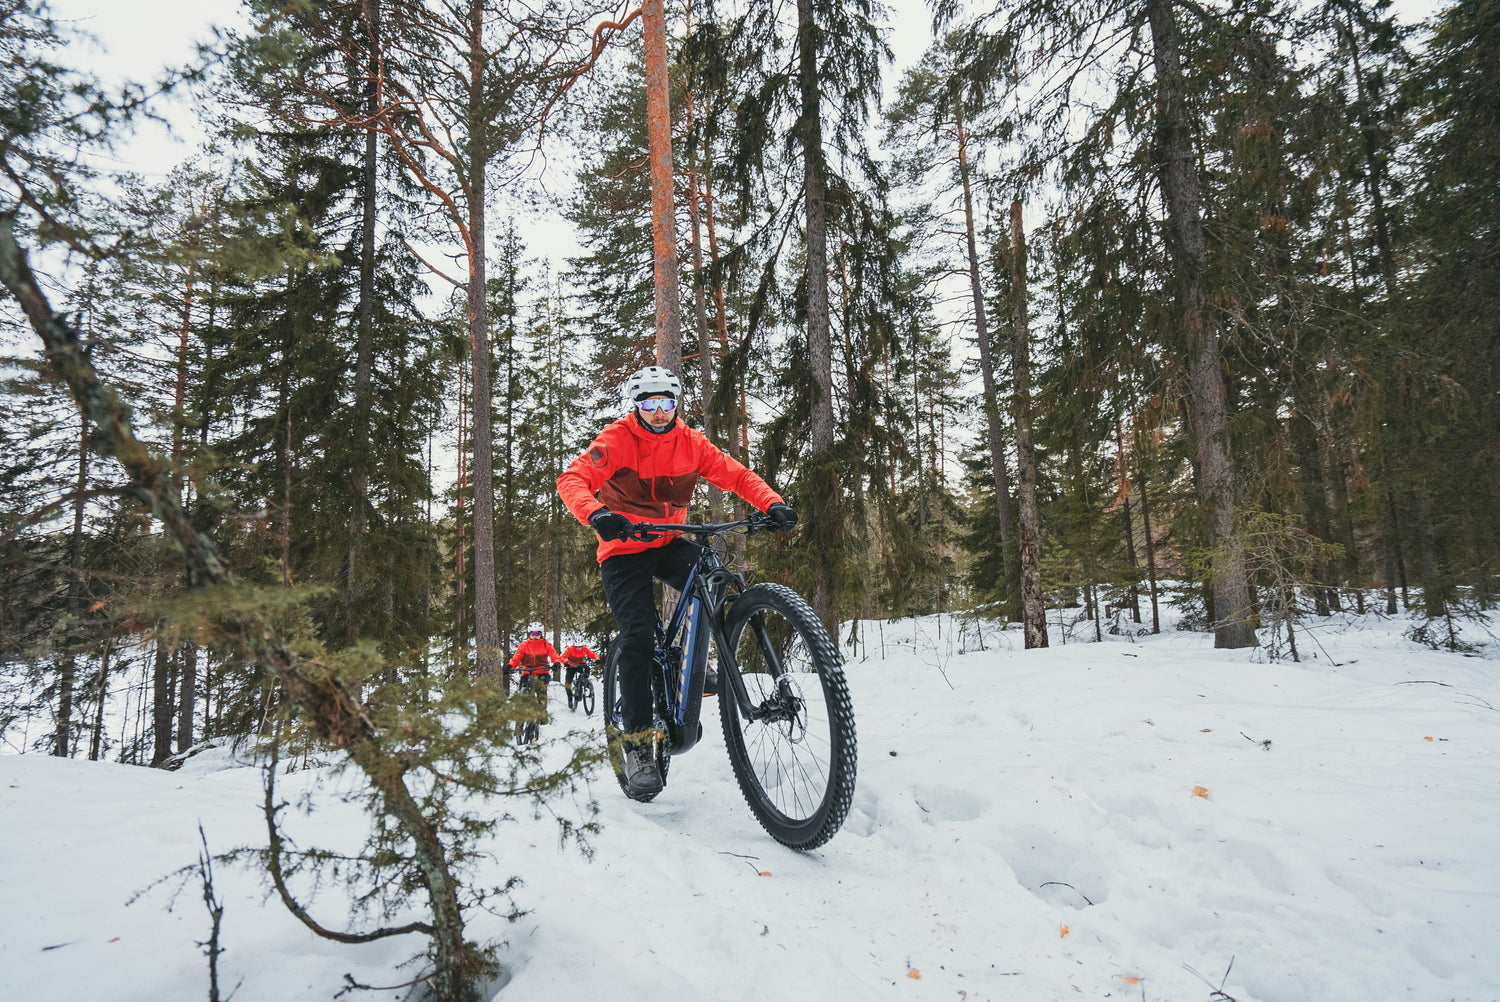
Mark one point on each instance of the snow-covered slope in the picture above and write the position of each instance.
(1117, 820)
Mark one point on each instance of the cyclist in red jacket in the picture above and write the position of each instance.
(535, 657)
(643, 468)
(575, 658)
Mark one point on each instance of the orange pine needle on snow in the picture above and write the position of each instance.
(914, 974)
(1199, 791)
(1062, 931)
(1129, 979)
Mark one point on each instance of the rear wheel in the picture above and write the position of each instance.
(613, 731)
(795, 758)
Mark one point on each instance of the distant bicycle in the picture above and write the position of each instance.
(581, 690)
(532, 728)
(783, 701)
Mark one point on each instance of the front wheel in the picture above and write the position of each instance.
(795, 758)
(586, 696)
(613, 731)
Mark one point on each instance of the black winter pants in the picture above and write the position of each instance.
(627, 588)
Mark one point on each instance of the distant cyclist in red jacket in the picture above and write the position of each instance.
(643, 468)
(575, 659)
(535, 657)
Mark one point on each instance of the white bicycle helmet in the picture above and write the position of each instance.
(535, 628)
(652, 381)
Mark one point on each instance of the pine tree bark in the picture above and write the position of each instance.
(822, 514)
(161, 704)
(68, 670)
(663, 208)
(96, 741)
(810, 128)
(1033, 609)
(187, 653)
(487, 654)
(1146, 533)
(186, 695)
(461, 524)
(986, 359)
(1207, 396)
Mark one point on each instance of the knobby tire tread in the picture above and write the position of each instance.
(827, 820)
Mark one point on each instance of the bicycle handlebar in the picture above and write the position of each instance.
(649, 530)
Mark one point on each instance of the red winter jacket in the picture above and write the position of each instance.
(574, 654)
(534, 655)
(650, 478)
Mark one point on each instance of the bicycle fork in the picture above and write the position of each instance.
(730, 670)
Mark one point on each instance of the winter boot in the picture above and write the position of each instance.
(641, 772)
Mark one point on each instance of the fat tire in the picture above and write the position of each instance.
(586, 696)
(823, 823)
(612, 732)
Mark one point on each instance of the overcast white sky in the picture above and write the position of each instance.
(139, 38)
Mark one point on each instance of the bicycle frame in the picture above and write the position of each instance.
(704, 599)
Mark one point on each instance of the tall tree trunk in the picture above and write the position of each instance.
(810, 129)
(823, 513)
(1207, 397)
(1305, 446)
(62, 744)
(186, 695)
(487, 659)
(1122, 468)
(188, 652)
(461, 543)
(96, 742)
(1433, 599)
(161, 704)
(663, 209)
(487, 654)
(986, 360)
(1393, 570)
(1146, 532)
(1033, 611)
(508, 545)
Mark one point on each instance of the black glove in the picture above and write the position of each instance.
(611, 525)
(783, 516)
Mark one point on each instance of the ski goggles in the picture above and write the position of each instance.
(534, 633)
(658, 404)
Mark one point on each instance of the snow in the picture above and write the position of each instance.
(1025, 827)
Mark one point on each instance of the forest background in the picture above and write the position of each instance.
(1086, 297)
(287, 311)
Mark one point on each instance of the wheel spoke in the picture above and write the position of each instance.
(795, 758)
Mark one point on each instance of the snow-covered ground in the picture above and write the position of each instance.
(1147, 819)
